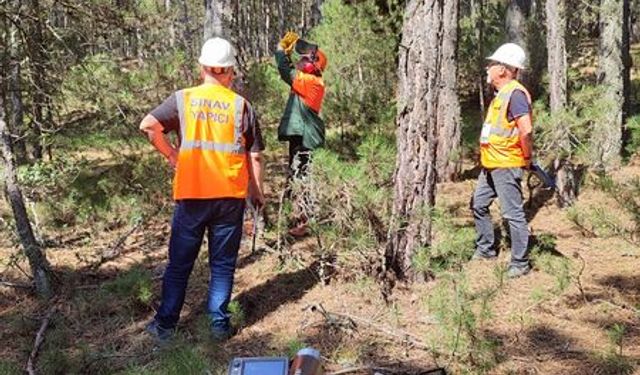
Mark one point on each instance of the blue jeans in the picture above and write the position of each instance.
(222, 218)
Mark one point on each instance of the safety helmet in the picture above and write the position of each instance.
(509, 54)
(217, 53)
(310, 59)
(321, 60)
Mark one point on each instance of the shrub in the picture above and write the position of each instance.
(360, 75)
(461, 314)
(267, 92)
(183, 360)
(351, 205)
(134, 285)
(452, 246)
(74, 191)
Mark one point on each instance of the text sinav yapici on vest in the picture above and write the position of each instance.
(201, 105)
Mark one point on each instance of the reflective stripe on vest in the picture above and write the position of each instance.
(500, 138)
(212, 160)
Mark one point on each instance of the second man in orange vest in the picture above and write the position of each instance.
(505, 149)
(217, 164)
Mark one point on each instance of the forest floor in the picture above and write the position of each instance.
(559, 319)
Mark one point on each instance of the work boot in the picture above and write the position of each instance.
(160, 335)
(514, 272)
(482, 256)
(219, 336)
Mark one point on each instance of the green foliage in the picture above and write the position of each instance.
(351, 205)
(570, 133)
(452, 246)
(237, 314)
(73, 191)
(55, 361)
(614, 364)
(633, 131)
(360, 75)
(103, 94)
(134, 285)
(602, 220)
(461, 314)
(9, 368)
(293, 346)
(182, 359)
(470, 65)
(616, 335)
(545, 256)
(267, 92)
(558, 267)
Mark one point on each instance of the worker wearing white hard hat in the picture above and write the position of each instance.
(217, 165)
(506, 146)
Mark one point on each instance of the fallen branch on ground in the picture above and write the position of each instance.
(10, 284)
(624, 307)
(38, 341)
(387, 370)
(115, 249)
(350, 321)
(364, 368)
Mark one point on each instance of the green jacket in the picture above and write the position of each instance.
(299, 119)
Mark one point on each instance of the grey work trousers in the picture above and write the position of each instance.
(505, 183)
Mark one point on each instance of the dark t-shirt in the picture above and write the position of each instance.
(518, 105)
(167, 114)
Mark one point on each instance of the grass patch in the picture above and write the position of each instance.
(134, 285)
(10, 368)
(452, 246)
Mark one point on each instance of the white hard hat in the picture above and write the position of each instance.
(217, 53)
(509, 54)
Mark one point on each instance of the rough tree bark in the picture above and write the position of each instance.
(14, 89)
(40, 269)
(477, 14)
(38, 77)
(172, 25)
(419, 79)
(613, 76)
(216, 14)
(566, 178)
(522, 27)
(448, 162)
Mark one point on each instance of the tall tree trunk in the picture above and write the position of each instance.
(316, 12)
(522, 26)
(516, 21)
(419, 68)
(566, 178)
(214, 20)
(172, 25)
(448, 162)
(187, 42)
(613, 76)
(627, 63)
(37, 260)
(14, 89)
(477, 14)
(38, 78)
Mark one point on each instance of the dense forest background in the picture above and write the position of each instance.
(383, 283)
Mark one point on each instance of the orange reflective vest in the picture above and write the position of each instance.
(500, 139)
(310, 88)
(212, 160)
